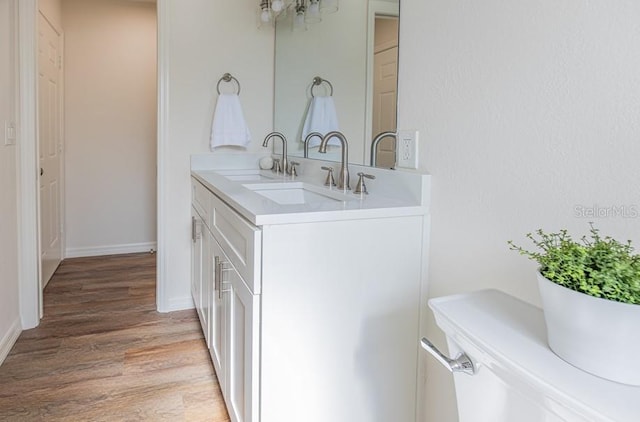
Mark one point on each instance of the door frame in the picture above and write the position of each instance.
(31, 307)
(29, 246)
(28, 192)
(163, 11)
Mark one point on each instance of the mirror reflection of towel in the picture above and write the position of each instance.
(321, 117)
(229, 126)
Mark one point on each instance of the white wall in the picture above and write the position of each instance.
(204, 39)
(110, 126)
(9, 287)
(526, 110)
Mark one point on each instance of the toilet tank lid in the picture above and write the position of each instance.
(512, 334)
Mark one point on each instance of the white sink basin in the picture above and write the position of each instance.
(244, 175)
(297, 193)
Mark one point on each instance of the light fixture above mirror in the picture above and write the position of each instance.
(304, 11)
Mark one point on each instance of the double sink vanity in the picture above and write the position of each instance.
(308, 295)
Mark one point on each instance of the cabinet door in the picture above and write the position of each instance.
(196, 261)
(243, 345)
(217, 314)
(240, 240)
(206, 283)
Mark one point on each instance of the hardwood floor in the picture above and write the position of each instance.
(102, 352)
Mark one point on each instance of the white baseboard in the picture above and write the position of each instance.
(110, 250)
(176, 304)
(9, 339)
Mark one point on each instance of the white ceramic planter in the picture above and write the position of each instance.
(599, 336)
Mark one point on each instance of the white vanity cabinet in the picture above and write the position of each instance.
(320, 310)
(227, 308)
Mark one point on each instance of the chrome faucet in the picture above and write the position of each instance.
(306, 142)
(284, 162)
(374, 145)
(343, 181)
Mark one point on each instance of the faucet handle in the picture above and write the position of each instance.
(361, 187)
(329, 181)
(293, 172)
(276, 166)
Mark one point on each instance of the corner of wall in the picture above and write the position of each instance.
(9, 339)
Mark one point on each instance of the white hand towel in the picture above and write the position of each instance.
(229, 126)
(321, 117)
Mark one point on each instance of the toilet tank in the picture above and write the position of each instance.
(517, 377)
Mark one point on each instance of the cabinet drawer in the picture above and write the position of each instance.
(240, 240)
(201, 200)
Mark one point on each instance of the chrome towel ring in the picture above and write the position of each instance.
(227, 78)
(317, 81)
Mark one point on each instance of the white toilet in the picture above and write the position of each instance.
(516, 377)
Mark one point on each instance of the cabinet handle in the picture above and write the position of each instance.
(195, 229)
(218, 277)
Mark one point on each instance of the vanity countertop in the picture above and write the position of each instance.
(391, 194)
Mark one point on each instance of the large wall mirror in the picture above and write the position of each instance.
(355, 52)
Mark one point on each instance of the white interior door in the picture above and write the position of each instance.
(50, 147)
(385, 93)
(384, 103)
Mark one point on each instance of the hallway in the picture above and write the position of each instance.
(102, 352)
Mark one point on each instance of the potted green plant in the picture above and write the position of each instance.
(590, 291)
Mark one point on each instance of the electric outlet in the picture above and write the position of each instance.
(9, 133)
(407, 152)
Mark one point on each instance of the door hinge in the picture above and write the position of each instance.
(59, 62)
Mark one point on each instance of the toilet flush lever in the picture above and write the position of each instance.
(461, 363)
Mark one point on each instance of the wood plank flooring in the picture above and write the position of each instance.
(102, 352)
